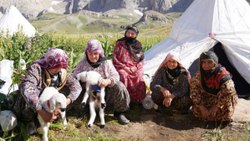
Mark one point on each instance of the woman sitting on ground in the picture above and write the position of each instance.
(48, 71)
(128, 59)
(212, 90)
(116, 94)
(170, 85)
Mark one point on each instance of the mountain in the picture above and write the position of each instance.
(32, 9)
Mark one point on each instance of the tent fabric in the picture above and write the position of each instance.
(201, 26)
(6, 72)
(13, 21)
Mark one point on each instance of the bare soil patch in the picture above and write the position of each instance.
(149, 125)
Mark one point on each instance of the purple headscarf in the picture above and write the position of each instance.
(53, 58)
(95, 46)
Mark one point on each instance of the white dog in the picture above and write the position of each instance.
(96, 97)
(51, 100)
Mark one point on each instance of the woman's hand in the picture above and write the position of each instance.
(167, 101)
(213, 110)
(204, 113)
(104, 82)
(168, 97)
(133, 69)
(127, 69)
(130, 70)
(48, 117)
(68, 101)
(165, 92)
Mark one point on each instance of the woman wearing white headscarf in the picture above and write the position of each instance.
(170, 85)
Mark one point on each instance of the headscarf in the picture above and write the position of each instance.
(211, 80)
(95, 46)
(210, 56)
(133, 46)
(179, 69)
(130, 40)
(53, 58)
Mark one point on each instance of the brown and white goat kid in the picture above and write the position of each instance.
(96, 98)
(51, 100)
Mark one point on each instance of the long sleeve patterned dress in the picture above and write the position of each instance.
(225, 99)
(32, 86)
(134, 82)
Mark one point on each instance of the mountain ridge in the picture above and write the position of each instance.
(32, 9)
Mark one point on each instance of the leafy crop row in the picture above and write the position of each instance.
(18, 47)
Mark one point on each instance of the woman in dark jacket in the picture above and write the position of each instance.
(170, 85)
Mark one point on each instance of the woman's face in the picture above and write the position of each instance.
(93, 57)
(172, 64)
(130, 34)
(55, 70)
(207, 64)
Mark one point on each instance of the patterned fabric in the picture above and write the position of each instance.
(95, 46)
(32, 85)
(225, 99)
(180, 89)
(134, 82)
(212, 83)
(54, 57)
(116, 94)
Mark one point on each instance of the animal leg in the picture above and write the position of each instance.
(86, 96)
(102, 117)
(63, 116)
(92, 112)
(102, 98)
(45, 128)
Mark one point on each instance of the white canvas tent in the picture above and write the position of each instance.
(13, 21)
(204, 24)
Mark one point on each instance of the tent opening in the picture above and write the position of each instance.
(241, 85)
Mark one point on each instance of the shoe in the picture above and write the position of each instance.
(121, 118)
(31, 128)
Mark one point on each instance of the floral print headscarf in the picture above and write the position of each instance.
(53, 58)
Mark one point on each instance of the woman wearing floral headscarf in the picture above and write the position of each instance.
(170, 85)
(49, 70)
(116, 94)
(128, 59)
(212, 90)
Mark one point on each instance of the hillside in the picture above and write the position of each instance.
(87, 22)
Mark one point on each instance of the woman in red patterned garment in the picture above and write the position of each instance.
(212, 90)
(128, 59)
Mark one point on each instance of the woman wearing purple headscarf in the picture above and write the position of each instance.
(116, 94)
(49, 70)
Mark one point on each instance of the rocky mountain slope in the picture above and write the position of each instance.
(34, 8)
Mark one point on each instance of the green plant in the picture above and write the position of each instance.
(213, 135)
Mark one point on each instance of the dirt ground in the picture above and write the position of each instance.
(149, 125)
